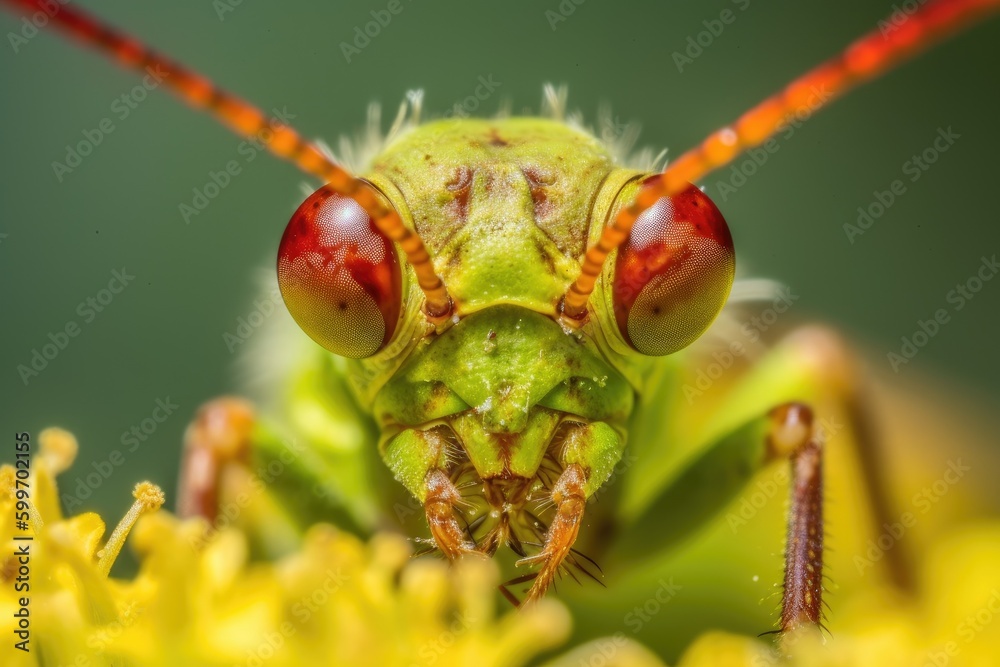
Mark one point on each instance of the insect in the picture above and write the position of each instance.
(466, 328)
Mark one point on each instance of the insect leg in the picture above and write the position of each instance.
(236, 470)
(813, 366)
(419, 459)
(440, 506)
(218, 437)
(588, 455)
(795, 434)
(569, 496)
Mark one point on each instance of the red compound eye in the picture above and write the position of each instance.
(673, 274)
(339, 276)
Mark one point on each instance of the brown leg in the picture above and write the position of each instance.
(218, 436)
(794, 435)
(570, 500)
(835, 365)
(439, 505)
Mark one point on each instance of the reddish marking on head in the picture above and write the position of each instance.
(461, 186)
(537, 183)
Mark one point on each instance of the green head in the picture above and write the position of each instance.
(505, 208)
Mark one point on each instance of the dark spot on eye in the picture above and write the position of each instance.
(316, 204)
(427, 156)
(656, 310)
(342, 305)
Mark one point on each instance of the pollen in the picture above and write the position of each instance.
(149, 495)
(148, 498)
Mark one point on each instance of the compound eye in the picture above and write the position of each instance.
(339, 276)
(674, 273)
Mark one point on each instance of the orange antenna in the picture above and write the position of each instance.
(862, 61)
(248, 121)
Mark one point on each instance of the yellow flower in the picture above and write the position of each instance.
(198, 600)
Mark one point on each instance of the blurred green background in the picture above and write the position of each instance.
(162, 337)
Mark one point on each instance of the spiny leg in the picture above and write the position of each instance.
(794, 435)
(219, 436)
(816, 364)
(569, 496)
(587, 455)
(717, 475)
(833, 364)
(421, 461)
(812, 364)
(440, 506)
